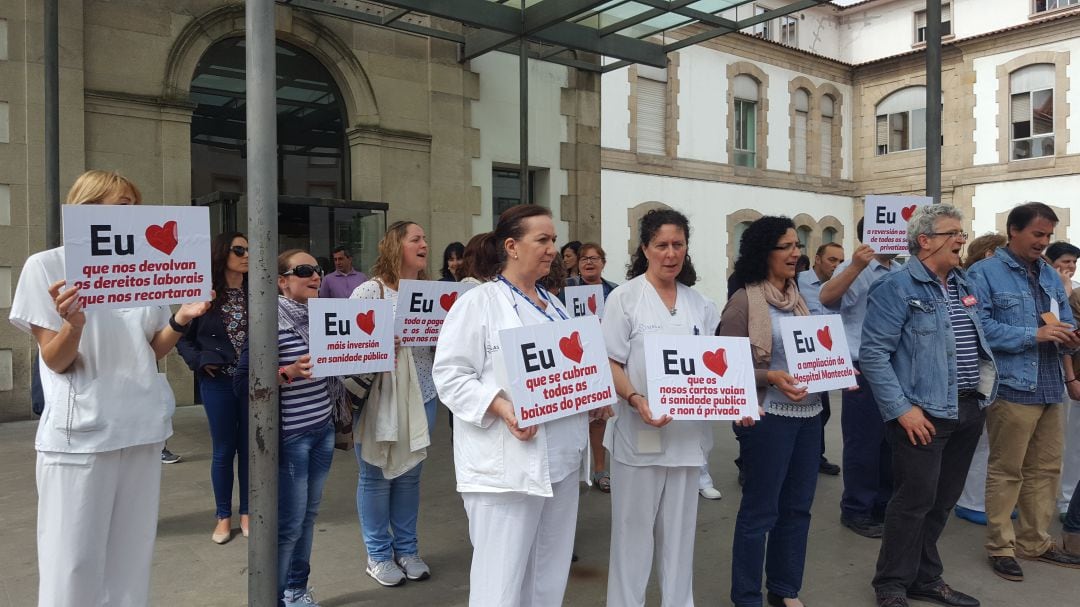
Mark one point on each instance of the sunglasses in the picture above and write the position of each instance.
(239, 251)
(304, 271)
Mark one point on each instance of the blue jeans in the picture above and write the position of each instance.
(388, 508)
(867, 458)
(303, 465)
(780, 456)
(228, 418)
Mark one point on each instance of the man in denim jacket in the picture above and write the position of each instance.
(932, 372)
(1016, 288)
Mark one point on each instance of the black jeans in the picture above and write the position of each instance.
(927, 481)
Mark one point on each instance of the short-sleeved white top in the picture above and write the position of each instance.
(632, 311)
(112, 397)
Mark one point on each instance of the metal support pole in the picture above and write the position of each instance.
(52, 125)
(262, 301)
(523, 109)
(933, 99)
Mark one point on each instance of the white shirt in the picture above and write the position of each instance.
(469, 372)
(632, 311)
(112, 397)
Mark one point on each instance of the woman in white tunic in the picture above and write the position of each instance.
(519, 485)
(655, 462)
(107, 414)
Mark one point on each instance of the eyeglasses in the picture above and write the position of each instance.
(304, 271)
(591, 259)
(787, 247)
(239, 251)
(953, 234)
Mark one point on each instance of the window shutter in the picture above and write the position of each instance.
(800, 143)
(651, 116)
(1020, 110)
(826, 146)
(882, 131)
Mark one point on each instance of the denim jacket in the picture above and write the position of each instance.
(908, 352)
(1009, 315)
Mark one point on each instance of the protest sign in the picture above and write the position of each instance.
(817, 352)
(556, 369)
(130, 256)
(350, 336)
(886, 219)
(693, 377)
(421, 308)
(585, 300)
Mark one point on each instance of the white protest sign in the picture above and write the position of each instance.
(817, 352)
(885, 222)
(585, 300)
(556, 369)
(130, 256)
(694, 377)
(422, 307)
(349, 336)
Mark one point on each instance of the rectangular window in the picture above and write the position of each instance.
(800, 142)
(826, 146)
(901, 131)
(946, 23)
(651, 116)
(1041, 6)
(1032, 131)
(506, 190)
(745, 133)
(762, 30)
(789, 30)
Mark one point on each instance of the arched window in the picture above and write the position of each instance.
(802, 121)
(828, 105)
(804, 233)
(828, 235)
(1031, 111)
(745, 133)
(901, 121)
(740, 229)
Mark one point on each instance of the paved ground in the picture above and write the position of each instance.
(190, 570)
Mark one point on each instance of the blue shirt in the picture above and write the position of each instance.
(810, 289)
(853, 305)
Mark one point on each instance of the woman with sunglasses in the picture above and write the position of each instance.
(388, 490)
(108, 412)
(211, 347)
(307, 403)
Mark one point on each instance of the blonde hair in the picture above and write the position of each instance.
(94, 187)
(387, 267)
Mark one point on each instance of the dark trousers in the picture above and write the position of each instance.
(826, 413)
(780, 459)
(1072, 517)
(866, 461)
(928, 479)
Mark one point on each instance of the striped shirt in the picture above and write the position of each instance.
(305, 404)
(967, 340)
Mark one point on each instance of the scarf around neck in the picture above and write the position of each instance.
(759, 323)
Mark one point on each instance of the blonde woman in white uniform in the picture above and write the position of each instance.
(519, 485)
(655, 463)
(107, 415)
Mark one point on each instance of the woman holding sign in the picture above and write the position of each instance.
(388, 501)
(780, 453)
(108, 412)
(519, 485)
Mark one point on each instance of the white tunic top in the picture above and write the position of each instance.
(112, 396)
(632, 311)
(469, 372)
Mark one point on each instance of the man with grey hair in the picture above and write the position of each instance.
(932, 372)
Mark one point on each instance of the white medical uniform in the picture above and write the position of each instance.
(98, 448)
(521, 497)
(654, 471)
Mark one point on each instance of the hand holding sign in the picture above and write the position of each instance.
(817, 354)
(422, 308)
(68, 304)
(885, 224)
(693, 377)
(350, 336)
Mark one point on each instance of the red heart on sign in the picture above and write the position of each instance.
(366, 321)
(571, 347)
(162, 238)
(716, 361)
(907, 212)
(824, 337)
(592, 303)
(447, 300)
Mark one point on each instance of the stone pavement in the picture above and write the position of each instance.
(190, 570)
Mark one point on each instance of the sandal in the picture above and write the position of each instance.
(602, 480)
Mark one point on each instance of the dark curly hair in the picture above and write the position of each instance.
(649, 225)
(220, 249)
(756, 245)
(455, 249)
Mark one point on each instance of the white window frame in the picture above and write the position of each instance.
(761, 30)
(1022, 97)
(906, 109)
(789, 30)
(652, 110)
(744, 132)
(946, 23)
(1049, 6)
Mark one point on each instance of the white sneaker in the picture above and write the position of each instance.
(710, 493)
(385, 573)
(414, 567)
(299, 597)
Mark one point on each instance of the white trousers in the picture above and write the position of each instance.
(1070, 468)
(653, 511)
(97, 519)
(522, 546)
(974, 495)
(704, 478)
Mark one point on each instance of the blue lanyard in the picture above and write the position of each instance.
(542, 293)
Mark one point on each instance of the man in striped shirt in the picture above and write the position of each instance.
(932, 372)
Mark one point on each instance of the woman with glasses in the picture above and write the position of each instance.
(108, 412)
(388, 491)
(306, 445)
(781, 451)
(211, 346)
